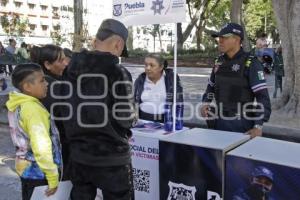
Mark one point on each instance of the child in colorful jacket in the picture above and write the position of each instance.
(38, 153)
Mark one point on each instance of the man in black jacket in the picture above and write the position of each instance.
(100, 108)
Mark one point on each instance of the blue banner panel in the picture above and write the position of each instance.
(189, 172)
(251, 179)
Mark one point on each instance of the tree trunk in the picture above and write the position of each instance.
(78, 25)
(199, 38)
(129, 42)
(246, 41)
(288, 20)
(199, 33)
(160, 41)
(183, 36)
(236, 11)
(156, 29)
(180, 40)
(205, 13)
(154, 43)
(236, 16)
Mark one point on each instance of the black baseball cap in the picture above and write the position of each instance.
(111, 26)
(229, 30)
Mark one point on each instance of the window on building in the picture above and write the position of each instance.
(56, 27)
(55, 9)
(64, 8)
(55, 15)
(18, 4)
(31, 6)
(44, 7)
(44, 27)
(55, 12)
(4, 2)
(70, 9)
(32, 27)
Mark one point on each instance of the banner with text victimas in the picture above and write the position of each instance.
(143, 12)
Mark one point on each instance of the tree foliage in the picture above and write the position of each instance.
(154, 30)
(13, 24)
(213, 15)
(57, 36)
(259, 18)
(220, 15)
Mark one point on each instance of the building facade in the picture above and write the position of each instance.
(147, 38)
(44, 18)
(53, 20)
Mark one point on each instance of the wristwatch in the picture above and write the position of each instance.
(258, 126)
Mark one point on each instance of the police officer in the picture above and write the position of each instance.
(261, 184)
(238, 86)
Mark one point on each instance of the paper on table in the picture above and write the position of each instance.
(62, 193)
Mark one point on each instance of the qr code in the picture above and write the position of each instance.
(141, 180)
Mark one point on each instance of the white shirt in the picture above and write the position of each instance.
(154, 96)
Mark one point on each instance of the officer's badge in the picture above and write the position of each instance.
(181, 191)
(235, 67)
(261, 75)
(117, 10)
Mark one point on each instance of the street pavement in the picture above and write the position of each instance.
(10, 188)
(193, 80)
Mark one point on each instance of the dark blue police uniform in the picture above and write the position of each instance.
(236, 84)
